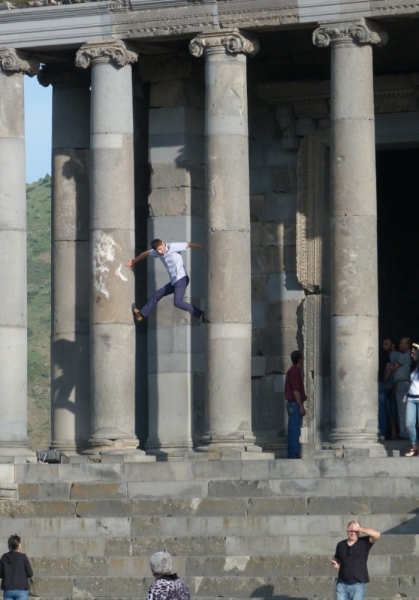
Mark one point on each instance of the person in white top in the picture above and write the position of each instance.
(412, 403)
(170, 255)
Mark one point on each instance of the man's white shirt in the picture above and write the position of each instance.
(172, 260)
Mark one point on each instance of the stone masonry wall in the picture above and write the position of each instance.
(276, 294)
(176, 213)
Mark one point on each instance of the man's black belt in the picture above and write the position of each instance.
(412, 395)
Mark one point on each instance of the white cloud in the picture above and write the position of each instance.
(38, 117)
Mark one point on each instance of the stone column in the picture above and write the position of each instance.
(112, 334)
(354, 287)
(13, 311)
(70, 354)
(228, 333)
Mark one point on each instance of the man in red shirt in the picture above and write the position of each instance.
(295, 395)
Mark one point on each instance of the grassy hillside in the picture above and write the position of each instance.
(39, 310)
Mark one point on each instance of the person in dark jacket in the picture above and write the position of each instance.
(15, 570)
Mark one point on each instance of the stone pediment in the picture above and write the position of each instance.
(311, 99)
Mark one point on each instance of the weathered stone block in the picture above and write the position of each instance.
(259, 287)
(284, 178)
(98, 491)
(52, 586)
(257, 208)
(120, 587)
(216, 469)
(284, 286)
(44, 491)
(400, 505)
(117, 546)
(276, 155)
(258, 315)
(170, 489)
(338, 505)
(280, 207)
(196, 546)
(177, 147)
(280, 259)
(278, 233)
(87, 566)
(170, 202)
(178, 119)
(177, 93)
(238, 489)
(277, 364)
(259, 545)
(103, 508)
(146, 526)
(17, 509)
(277, 506)
(221, 507)
(256, 234)
(286, 313)
(260, 180)
(161, 342)
(274, 340)
(47, 566)
(178, 174)
(258, 366)
(64, 546)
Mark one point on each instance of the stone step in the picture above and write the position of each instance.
(206, 470)
(391, 487)
(250, 506)
(194, 546)
(227, 586)
(321, 526)
(180, 526)
(215, 566)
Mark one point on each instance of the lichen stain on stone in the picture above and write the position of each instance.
(342, 373)
(103, 254)
(232, 102)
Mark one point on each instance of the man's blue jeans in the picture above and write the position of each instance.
(178, 290)
(15, 595)
(294, 429)
(412, 409)
(355, 591)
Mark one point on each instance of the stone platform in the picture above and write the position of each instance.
(236, 529)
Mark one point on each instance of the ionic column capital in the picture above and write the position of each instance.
(223, 42)
(18, 62)
(361, 31)
(105, 51)
(63, 76)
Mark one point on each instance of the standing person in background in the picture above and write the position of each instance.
(412, 403)
(401, 370)
(389, 346)
(295, 396)
(382, 410)
(15, 570)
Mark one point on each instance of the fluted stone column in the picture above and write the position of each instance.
(112, 334)
(70, 301)
(228, 333)
(13, 308)
(354, 287)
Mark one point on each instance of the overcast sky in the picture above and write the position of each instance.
(38, 129)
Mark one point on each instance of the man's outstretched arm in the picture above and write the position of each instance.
(133, 261)
(372, 533)
(195, 245)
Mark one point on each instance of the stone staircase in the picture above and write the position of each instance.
(236, 528)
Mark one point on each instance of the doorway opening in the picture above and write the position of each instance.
(398, 243)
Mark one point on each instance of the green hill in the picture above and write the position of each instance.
(38, 196)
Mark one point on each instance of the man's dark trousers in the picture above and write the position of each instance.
(294, 429)
(178, 289)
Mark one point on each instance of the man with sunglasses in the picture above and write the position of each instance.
(351, 558)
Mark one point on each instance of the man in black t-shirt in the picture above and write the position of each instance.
(351, 558)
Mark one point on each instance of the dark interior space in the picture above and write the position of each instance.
(398, 243)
